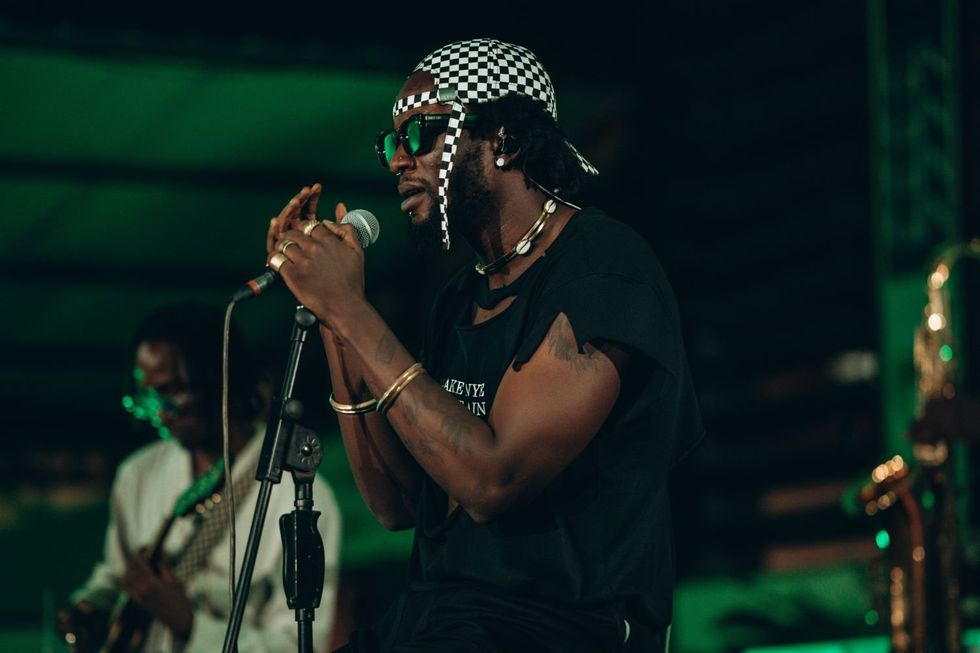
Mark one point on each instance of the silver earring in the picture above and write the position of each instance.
(500, 162)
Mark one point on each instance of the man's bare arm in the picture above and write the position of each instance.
(387, 477)
(543, 416)
(385, 474)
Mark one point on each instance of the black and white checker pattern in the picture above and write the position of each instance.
(446, 166)
(482, 70)
(415, 101)
(475, 71)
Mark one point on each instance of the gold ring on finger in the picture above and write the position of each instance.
(284, 244)
(310, 225)
(276, 260)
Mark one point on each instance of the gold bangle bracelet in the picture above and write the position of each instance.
(353, 409)
(406, 377)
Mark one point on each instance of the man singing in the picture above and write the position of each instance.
(530, 445)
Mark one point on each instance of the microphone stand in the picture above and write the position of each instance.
(287, 446)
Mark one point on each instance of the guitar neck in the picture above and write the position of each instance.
(206, 483)
(156, 551)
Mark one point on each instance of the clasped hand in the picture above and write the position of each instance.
(325, 268)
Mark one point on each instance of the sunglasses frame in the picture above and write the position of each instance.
(429, 126)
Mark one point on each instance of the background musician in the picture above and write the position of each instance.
(176, 385)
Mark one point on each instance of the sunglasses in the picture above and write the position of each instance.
(415, 135)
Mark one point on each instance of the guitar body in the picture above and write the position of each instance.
(130, 623)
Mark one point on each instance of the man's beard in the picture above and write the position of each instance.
(471, 207)
(425, 234)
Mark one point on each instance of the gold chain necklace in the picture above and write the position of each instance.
(523, 246)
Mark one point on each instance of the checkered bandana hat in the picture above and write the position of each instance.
(471, 72)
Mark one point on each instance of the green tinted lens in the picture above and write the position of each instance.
(413, 136)
(391, 144)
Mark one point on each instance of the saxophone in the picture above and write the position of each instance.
(918, 501)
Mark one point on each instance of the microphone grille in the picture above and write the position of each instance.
(365, 224)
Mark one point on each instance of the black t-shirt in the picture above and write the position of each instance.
(600, 533)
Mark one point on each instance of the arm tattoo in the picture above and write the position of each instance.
(386, 348)
(458, 432)
(424, 445)
(431, 398)
(562, 345)
(435, 399)
(410, 409)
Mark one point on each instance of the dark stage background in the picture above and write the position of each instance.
(143, 150)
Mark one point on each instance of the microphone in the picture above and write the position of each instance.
(366, 226)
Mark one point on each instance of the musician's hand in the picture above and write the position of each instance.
(325, 269)
(300, 208)
(160, 594)
(82, 626)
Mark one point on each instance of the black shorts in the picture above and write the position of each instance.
(470, 621)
